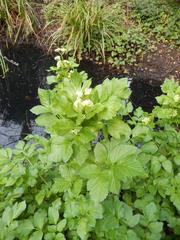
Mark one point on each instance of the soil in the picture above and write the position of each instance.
(154, 67)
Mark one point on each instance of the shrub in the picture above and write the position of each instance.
(96, 176)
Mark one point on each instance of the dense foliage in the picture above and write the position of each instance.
(97, 176)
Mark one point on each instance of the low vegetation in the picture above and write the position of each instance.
(17, 18)
(97, 176)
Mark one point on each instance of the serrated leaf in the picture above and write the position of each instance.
(121, 152)
(167, 165)
(150, 212)
(38, 235)
(50, 236)
(100, 153)
(39, 219)
(18, 208)
(25, 228)
(61, 225)
(53, 215)
(133, 220)
(45, 97)
(98, 187)
(82, 229)
(40, 196)
(119, 129)
(60, 236)
(156, 227)
(7, 216)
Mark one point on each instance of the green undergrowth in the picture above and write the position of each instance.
(159, 18)
(97, 176)
(117, 32)
(17, 19)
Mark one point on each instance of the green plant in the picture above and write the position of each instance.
(17, 16)
(3, 65)
(78, 184)
(99, 27)
(169, 109)
(83, 25)
(160, 18)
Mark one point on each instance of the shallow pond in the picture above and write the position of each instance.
(28, 67)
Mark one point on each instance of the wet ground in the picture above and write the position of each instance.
(28, 70)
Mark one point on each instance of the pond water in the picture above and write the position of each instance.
(27, 71)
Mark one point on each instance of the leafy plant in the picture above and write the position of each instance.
(160, 18)
(96, 176)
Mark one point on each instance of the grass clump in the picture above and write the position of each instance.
(83, 25)
(101, 27)
(17, 16)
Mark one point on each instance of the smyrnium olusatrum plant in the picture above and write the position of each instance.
(75, 185)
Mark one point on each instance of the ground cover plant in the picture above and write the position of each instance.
(97, 176)
(158, 18)
(17, 17)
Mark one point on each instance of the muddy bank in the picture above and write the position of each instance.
(154, 67)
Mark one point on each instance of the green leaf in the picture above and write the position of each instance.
(114, 182)
(25, 228)
(149, 147)
(39, 219)
(167, 165)
(122, 151)
(49, 236)
(100, 153)
(40, 196)
(38, 235)
(150, 212)
(52, 79)
(133, 220)
(53, 215)
(60, 236)
(7, 216)
(88, 171)
(111, 108)
(61, 225)
(156, 227)
(82, 229)
(98, 187)
(40, 110)
(18, 208)
(45, 97)
(119, 129)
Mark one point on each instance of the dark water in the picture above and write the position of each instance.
(18, 91)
